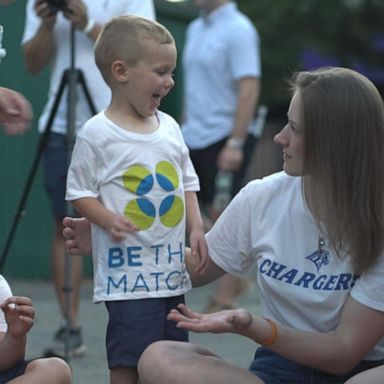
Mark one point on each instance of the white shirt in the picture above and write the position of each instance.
(220, 49)
(268, 223)
(144, 177)
(101, 11)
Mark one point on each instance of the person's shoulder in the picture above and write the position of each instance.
(166, 118)
(239, 21)
(195, 23)
(275, 182)
(270, 191)
(94, 131)
(92, 124)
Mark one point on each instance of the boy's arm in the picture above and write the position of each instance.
(117, 226)
(19, 314)
(78, 242)
(195, 229)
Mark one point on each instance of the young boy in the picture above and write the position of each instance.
(16, 319)
(132, 177)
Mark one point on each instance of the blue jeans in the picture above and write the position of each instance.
(55, 166)
(275, 369)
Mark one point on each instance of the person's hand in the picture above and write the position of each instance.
(15, 112)
(77, 234)
(228, 321)
(199, 251)
(230, 159)
(77, 13)
(119, 227)
(46, 13)
(19, 315)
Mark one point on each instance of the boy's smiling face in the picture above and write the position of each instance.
(151, 78)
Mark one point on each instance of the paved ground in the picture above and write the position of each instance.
(92, 367)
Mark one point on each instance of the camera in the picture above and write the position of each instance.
(57, 5)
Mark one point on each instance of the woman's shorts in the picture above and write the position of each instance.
(274, 369)
(135, 324)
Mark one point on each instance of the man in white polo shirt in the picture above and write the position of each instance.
(221, 66)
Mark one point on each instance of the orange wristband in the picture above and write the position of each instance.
(273, 336)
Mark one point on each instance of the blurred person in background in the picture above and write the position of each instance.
(221, 69)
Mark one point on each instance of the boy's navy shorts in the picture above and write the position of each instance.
(135, 324)
(13, 372)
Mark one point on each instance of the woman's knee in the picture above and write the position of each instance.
(160, 351)
(161, 359)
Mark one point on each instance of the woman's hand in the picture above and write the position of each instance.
(228, 321)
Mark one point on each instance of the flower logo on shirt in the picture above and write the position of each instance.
(141, 211)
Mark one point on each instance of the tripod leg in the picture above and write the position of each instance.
(83, 84)
(41, 146)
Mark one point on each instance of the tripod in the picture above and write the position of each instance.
(70, 78)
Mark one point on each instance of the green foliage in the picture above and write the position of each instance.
(343, 30)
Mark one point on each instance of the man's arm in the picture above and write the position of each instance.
(231, 156)
(39, 50)
(77, 13)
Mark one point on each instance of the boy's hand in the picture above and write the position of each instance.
(19, 314)
(119, 227)
(199, 250)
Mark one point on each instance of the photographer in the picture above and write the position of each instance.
(46, 42)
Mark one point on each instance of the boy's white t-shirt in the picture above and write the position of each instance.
(269, 223)
(5, 292)
(142, 176)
